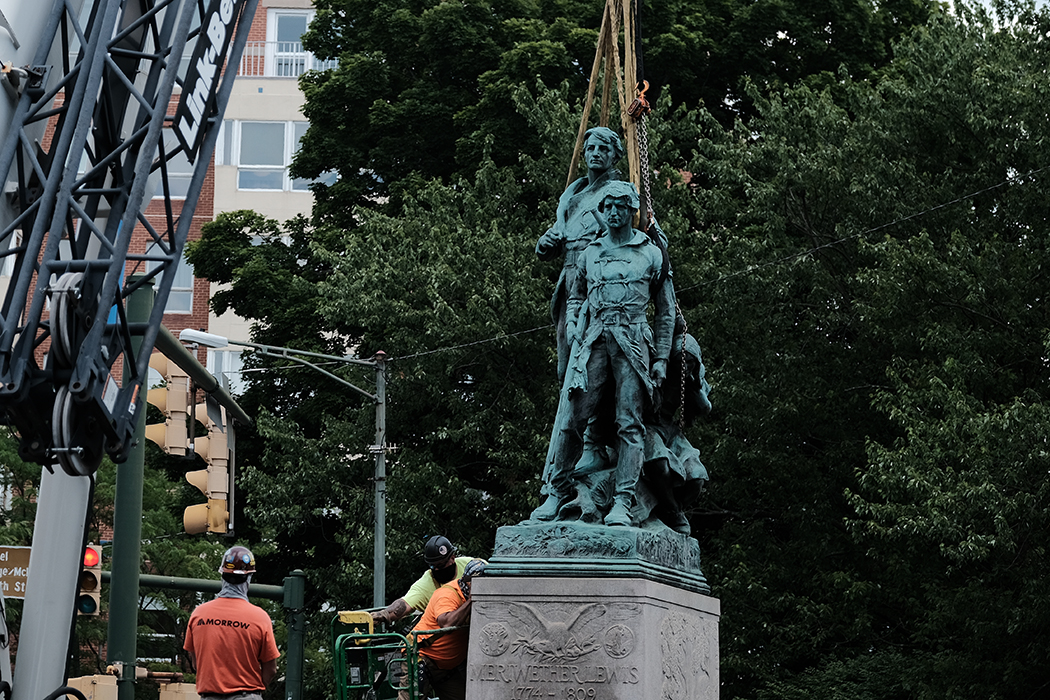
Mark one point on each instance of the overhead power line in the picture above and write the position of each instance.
(502, 336)
(753, 268)
(864, 233)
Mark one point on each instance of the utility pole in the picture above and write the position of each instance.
(379, 554)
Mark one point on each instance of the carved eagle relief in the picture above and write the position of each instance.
(566, 638)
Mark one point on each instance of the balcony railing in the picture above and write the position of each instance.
(278, 59)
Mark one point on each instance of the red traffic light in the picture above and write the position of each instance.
(91, 557)
(89, 600)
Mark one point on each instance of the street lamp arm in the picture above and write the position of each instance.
(284, 353)
(173, 349)
(378, 363)
(210, 340)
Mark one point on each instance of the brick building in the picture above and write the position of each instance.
(260, 133)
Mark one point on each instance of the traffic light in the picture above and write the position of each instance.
(89, 599)
(173, 400)
(215, 481)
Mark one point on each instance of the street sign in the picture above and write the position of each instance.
(14, 568)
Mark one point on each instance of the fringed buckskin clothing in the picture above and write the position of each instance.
(616, 350)
(579, 229)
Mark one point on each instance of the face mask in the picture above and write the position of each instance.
(444, 575)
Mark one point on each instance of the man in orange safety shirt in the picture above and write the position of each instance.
(229, 640)
(443, 658)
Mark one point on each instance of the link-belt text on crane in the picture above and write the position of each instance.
(202, 77)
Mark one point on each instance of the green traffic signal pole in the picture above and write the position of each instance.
(292, 596)
(127, 528)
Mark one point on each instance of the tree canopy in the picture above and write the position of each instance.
(872, 294)
(859, 254)
(425, 88)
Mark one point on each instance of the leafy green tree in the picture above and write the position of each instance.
(20, 482)
(426, 88)
(871, 304)
(459, 417)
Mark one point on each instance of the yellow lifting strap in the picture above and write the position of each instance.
(608, 51)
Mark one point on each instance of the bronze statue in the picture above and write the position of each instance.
(613, 348)
(614, 417)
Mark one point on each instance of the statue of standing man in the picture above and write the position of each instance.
(575, 228)
(617, 276)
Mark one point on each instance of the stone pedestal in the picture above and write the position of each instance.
(590, 638)
(576, 549)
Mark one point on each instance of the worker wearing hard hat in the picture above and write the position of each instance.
(443, 567)
(229, 640)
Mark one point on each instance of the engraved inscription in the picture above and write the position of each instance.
(538, 675)
(557, 651)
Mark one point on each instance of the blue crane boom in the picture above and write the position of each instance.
(89, 87)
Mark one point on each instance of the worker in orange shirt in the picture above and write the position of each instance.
(229, 640)
(444, 566)
(443, 658)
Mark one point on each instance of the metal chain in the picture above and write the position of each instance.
(643, 162)
(681, 404)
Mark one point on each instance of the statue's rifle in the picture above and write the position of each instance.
(602, 223)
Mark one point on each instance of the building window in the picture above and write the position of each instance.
(160, 643)
(287, 29)
(7, 268)
(187, 53)
(282, 54)
(228, 366)
(180, 170)
(180, 298)
(263, 152)
(262, 155)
